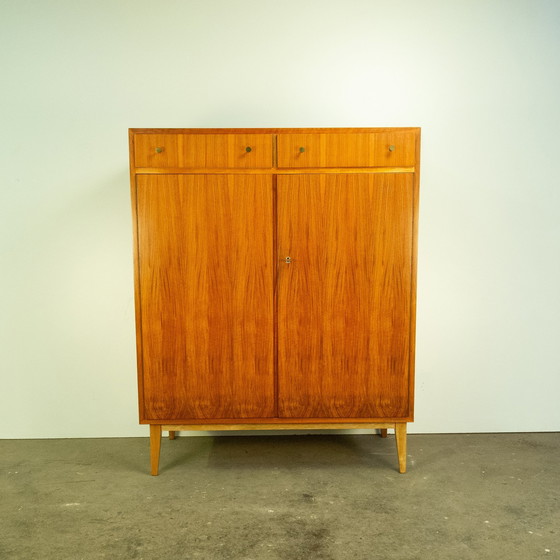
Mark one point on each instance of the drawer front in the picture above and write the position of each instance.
(203, 151)
(379, 149)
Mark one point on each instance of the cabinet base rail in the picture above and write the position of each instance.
(156, 430)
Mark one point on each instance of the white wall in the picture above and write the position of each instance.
(482, 79)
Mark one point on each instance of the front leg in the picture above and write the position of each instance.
(155, 445)
(400, 437)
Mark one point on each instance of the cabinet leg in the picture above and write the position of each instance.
(400, 437)
(171, 434)
(383, 432)
(155, 445)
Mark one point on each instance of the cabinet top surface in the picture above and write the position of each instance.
(269, 130)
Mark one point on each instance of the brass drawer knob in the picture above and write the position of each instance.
(391, 148)
(159, 149)
(248, 149)
(301, 150)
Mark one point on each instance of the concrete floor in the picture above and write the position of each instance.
(324, 497)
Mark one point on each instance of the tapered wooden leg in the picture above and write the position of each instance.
(171, 434)
(400, 437)
(383, 432)
(155, 445)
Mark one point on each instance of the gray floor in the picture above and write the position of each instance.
(282, 498)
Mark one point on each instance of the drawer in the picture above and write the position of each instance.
(370, 149)
(201, 151)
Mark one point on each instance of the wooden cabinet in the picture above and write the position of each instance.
(275, 276)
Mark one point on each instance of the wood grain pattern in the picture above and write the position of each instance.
(206, 296)
(404, 144)
(272, 171)
(395, 149)
(274, 130)
(292, 426)
(205, 151)
(231, 338)
(155, 448)
(414, 267)
(344, 302)
(400, 440)
(136, 256)
(279, 420)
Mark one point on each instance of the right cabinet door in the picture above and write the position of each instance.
(344, 297)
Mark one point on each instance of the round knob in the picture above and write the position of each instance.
(301, 150)
(248, 149)
(159, 149)
(391, 148)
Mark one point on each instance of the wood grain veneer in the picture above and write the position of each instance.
(206, 151)
(206, 296)
(394, 149)
(230, 335)
(344, 301)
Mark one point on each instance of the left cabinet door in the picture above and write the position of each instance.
(205, 281)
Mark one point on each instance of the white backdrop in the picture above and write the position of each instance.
(482, 79)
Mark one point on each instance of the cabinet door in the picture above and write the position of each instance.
(344, 301)
(206, 296)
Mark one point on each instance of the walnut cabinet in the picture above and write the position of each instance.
(275, 278)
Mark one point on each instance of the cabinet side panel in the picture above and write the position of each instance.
(206, 296)
(138, 321)
(344, 302)
(413, 291)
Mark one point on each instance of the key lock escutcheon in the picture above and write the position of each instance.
(287, 260)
